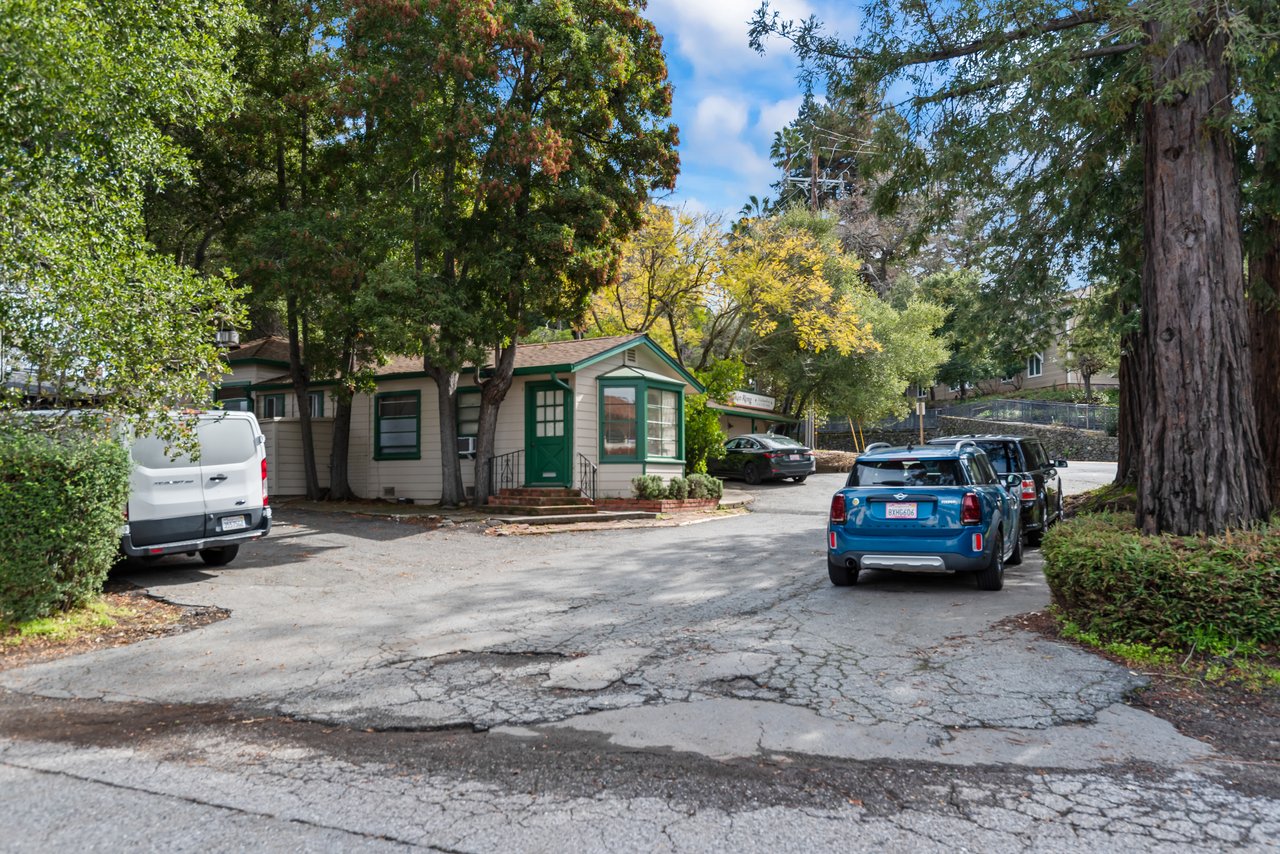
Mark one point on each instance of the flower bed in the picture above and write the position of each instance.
(661, 505)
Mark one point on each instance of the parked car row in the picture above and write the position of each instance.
(956, 504)
(757, 457)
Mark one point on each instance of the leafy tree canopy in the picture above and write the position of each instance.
(87, 92)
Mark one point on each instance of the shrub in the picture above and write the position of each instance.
(648, 487)
(704, 486)
(678, 489)
(61, 502)
(1114, 582)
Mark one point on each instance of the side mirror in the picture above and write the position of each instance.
(1060, 463)
(1013, 480)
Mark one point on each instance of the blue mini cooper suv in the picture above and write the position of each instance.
(927, 508)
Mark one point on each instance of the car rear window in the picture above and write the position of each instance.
(223, 441)
(1001, 456)
(783, 442)
(906, 472)
(226, 441)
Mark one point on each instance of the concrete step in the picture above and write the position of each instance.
(545, 509)
(538, 500)
(567, 518)
(536, 491)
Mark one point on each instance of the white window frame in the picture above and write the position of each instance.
(1039, 362)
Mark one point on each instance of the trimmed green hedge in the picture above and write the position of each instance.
(62, 500)
(1173, 591)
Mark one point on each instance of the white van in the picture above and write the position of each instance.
(209, 506)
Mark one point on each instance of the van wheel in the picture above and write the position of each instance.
(841, 576)
(219, 557)
(1035, 538)
(992, 578)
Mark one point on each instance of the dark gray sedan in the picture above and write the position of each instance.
(757, 457)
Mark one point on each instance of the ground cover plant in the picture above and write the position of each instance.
(62, 500)
(1209, 604)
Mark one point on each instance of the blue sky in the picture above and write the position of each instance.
(729, 100)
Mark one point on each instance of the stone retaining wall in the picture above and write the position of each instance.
(1061, 442)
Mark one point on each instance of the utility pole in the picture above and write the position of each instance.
(813, 182)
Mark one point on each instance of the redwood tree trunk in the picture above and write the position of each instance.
(1129, 415)
(1264, 335)
(1201, 459)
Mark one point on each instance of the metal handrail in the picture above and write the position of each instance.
(587, 471)
(506, 471)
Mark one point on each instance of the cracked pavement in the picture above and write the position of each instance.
(686, 688)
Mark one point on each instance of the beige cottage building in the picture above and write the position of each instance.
(589, 413)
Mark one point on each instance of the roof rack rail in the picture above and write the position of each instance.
(964, 442)
(875, 446)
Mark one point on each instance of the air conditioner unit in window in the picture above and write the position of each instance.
(466, 446)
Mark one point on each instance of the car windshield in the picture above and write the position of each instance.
(906, 472)
(783, 442)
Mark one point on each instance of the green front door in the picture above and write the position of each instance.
(547, 434)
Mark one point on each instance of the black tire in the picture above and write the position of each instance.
(992, 578)
(1034, 538)
(1015, 556)
(800, 479)
(841, 576)
(752, 474)
(219, 557)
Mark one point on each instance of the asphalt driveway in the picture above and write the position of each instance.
(714, 654)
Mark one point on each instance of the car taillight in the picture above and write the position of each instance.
(1028, 489)
(838, 512)
(970, 511)
(773, 455)
(264, 481)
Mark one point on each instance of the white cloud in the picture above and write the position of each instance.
(774, 117)
(712, 34)
(717, 116)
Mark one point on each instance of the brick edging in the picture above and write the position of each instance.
(666, 505)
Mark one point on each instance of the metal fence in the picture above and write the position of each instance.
(1084, 416)
(910, 422)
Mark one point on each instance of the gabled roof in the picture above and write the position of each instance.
(554, 356)
(272, 350)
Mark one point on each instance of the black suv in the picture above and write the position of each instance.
(1041, 487)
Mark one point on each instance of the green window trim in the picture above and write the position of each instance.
(400, 452)
(276, 402)
(641, 391)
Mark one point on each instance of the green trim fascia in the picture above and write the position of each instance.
(254, 360)
(416, 453)
(648, 342)
(289, 386)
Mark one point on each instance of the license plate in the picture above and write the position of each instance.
(795, 457)
(234, 523)
(894, 510)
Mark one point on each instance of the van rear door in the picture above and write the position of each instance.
(231, 471)
(166, 495)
